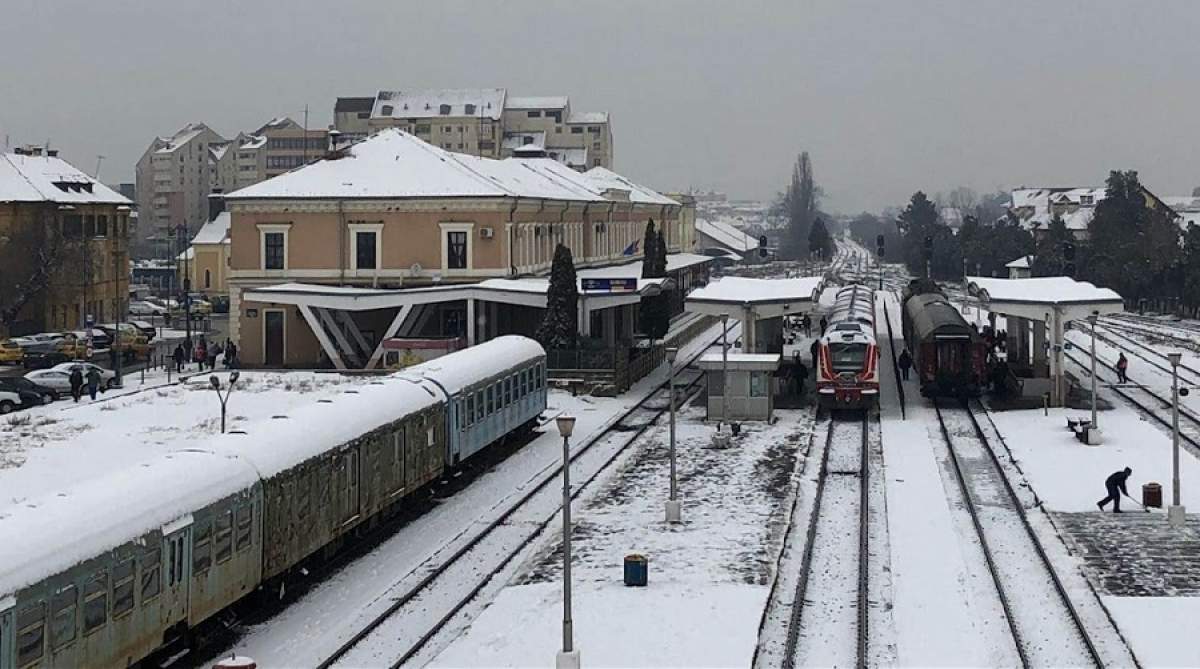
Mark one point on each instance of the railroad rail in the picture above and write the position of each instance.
(1042, 619)
(1117, 335)
(504, 548)
(850, 467)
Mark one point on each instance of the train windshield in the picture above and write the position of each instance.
(847, 357)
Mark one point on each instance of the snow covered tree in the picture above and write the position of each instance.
(560, 327)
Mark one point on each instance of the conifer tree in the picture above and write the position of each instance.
(560, 327)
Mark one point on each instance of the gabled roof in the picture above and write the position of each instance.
(1024, 262)
(607, 179)
(51, 179)
(395, 164)
(427, 102)
(726, 235)
(186, 134)
(278, 123)
(215, 231)
(537, 102)
(353, 105)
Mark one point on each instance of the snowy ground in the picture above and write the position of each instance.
(709, 577)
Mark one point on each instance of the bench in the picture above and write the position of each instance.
(1082, 427)
(572, 384)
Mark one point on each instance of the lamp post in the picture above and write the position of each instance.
(674, 512)
(1176, 512)
(216, 385)
(724, 370)
(568, 657)
(1091, 319)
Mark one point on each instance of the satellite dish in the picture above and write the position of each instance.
(416, 268)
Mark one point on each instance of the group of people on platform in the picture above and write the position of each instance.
(205, 354)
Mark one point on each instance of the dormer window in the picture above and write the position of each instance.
(386, 110)
(444, 110)
(469, 110)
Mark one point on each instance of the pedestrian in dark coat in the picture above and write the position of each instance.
(1114, 483)
(815, 349)
(806, 323)
(200, 355)
(1122, 369)
(905, 362)
(93, 382)
(213, 352)
(230, 355)
(824, 324)
(76, 380)
(179, 358)
(799, 371)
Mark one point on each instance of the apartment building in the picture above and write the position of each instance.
(397, 212)
(484, 122)
(176, 174)
(89, 274)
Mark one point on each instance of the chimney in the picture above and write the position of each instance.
(216, 204)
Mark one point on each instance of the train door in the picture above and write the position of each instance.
(347, 476)
(6, 633)
(951, 357)
(177, 570)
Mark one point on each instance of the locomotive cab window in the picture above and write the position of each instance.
(847, 357)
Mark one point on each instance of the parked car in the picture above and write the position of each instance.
(11, 352)
(9, 402)
(146, 308)
(20, 384)
(54, 379)
(147, 329)
(23, 342)
(108, 378)
(44, 337)
(131, 339)
(42, 356)
(78, 339)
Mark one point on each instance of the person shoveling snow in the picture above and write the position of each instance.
(1115, 484)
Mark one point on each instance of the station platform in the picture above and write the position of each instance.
(1134, 553)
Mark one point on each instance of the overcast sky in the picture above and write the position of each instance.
(887, 96)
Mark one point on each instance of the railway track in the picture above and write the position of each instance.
(829, 621)
(401, 631)
(1122, 337)
(1046, 628)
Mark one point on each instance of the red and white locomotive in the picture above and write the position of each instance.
(848, 358)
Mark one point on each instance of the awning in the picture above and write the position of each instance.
(767, 298)
(1036, 298)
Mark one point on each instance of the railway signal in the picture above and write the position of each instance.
(762, 246)
(928, 256)
(879, 255)
(1068, 254)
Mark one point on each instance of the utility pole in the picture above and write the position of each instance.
(1175, 513)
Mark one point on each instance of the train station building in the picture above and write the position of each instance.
(393, 237)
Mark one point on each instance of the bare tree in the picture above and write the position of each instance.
(36, 258)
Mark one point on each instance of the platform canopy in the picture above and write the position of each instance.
(1037, 297)
(766, 298)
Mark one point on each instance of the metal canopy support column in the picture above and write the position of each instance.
(1056, 349)
(338, 335)
(364, 349)
(319, 332)
(471, 322)
(748, 330)
(391, 331)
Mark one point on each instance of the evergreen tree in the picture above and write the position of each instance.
(655, 310)
(1189, 279)
(649, 241)
(560, 327)
(660, 258)
(918, 221)
(1050, 260)
(1134, 246)
(819, 241)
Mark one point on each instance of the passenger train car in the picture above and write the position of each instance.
(949, 355)
(848, 358)
(107, 572)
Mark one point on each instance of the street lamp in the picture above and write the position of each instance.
(1176, 512)
(568, 657)
(724, 370)
(1091, 319)
(216, 385)
(674, 512)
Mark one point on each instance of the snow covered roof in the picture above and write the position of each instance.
(51, 179)
(427, 102)
(588, 117)
(45, 535)
(537, 102)
(218, 150)
(766, 297)
(607, 179)
(726, 235)
(1024, 262)
(253, 142)
(1032, 298)
(215, 231)
(185, 134)
(568, 157)
(278, 123)
(394, 164)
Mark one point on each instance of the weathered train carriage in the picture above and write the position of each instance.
(109, 599)
(314, 504)
(949, 356)
(493, 390)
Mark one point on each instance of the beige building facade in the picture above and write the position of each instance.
(40, 193)
(395, 212)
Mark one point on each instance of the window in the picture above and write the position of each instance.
(556, 115)
(201, 547)
(151, 567)
(479, 406)
(716, 383)
(596, 162)
(526, 140)
(759, 384)
(470, 406)
(223, 544)
(73, 225)
(122, 588)
(31, 632)
(447, 128)
(207, 278)
(273, 239)
(594, 129)
(534, 113)
(487, 145)
(386, 110)
(460, 146)
(507, 391)
(456, 249)
(469, 110)
(366, 249)
(576, 130)
(491, 399)
(102, 226)
(364, 115)
(245, 519)
(398, 457)
(95, 602)
(444, 110)
(62, 616)
(430, 436)
(422, 128)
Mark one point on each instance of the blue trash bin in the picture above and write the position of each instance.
(637, 570)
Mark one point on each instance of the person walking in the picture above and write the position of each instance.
(824, 324)
(799, 371)
(806, 323)
(1114, 483)
(1122, 369)
(815, 350)
(906, 362)
(76, 380)
(178, 356)
(93, 382)
(230, 355)
(213, 352)
(200, 355)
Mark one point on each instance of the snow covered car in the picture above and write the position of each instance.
(9, 402)
(108, 378)
(54, 379)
